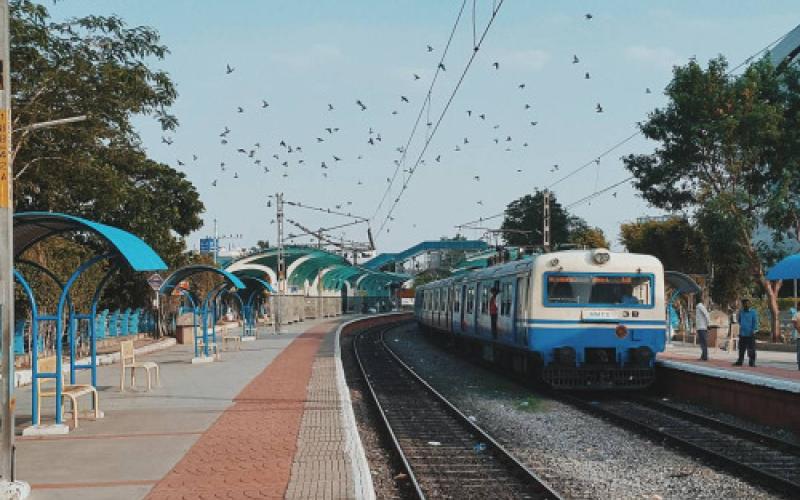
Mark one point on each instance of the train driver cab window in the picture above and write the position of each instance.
(470, 300)
(484, 299)
(505, 299)
(599, 290)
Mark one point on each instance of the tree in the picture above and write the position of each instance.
(728, 145)
(679, 245)
(585, 236)
(523, 221)
(97, 169)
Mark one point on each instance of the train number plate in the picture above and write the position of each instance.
(600, 315)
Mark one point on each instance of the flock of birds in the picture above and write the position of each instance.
(284, 154)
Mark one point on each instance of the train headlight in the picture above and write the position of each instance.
(621, 331)
(601, 257)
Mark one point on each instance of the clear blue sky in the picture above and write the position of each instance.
(302, 55)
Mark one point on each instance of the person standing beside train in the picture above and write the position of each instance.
(493, 311)
(795, 335)
(748, 326)
(701, 322)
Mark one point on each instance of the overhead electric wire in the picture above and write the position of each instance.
(425, 103)
(326, 210)
(412, 170)
(618, 145)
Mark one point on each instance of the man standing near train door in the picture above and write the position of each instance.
(748, 326)
(701, 322)
(493, 310)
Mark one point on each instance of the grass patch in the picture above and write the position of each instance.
(531, 404)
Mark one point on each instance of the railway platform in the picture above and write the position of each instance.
(768, 393)
(272, 420)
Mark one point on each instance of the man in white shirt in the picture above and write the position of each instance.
(796, 335)
(702, 320)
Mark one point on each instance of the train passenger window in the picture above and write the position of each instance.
(505, 299)
(609, 290)
(456, 301)
(470, 300)
(484, 299)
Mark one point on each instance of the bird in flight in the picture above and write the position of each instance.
(264, 104)
(598, 108)
(575, 59)
(439, 158)
(588, 16)
(416, 76)
(229, 69)
(320, 139)
(521, 85)
(239, 109)
(330, 107)
(329, 130)
(482, 116)
(527, 106)
(496, 65)
(587, 76)
(361, 105)
(533, 124)
(166, 140)
(614, 194)
(336, 158)
(477, 177)
(648, 91)
(430, 49)
(469, 112)
(225, 132)
(236, 175)
(441, 67)
(180, 163)
(404, 98)
(214, 183)
(466, 140)
(194, 157)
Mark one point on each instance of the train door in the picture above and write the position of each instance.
(462, 323)
(521, 311)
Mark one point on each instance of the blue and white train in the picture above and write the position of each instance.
(577, 319)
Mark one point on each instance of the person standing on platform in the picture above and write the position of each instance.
(701, 322)
(493, 311)
(795, 335)
(748, 326)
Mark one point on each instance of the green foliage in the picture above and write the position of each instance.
(729, 147)
(585, 236)
(679, 245)
(99, 67)
(523, 221)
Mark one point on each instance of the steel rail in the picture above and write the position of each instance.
(529, 482)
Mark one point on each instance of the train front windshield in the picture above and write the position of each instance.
(598, 290)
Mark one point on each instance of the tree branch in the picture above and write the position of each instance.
(27, 165)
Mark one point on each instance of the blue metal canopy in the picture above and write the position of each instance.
(33, 227)
(262, 283)
(787, 269)
(422, 247)
(184, 272)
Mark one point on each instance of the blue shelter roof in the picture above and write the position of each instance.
(422, 247)
(787, 269)
(33, 227)
(186, 271)
(262, 283)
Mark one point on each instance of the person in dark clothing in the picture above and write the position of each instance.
(493, 311)
(748, 326)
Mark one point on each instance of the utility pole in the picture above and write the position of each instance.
(216, 242)
(546, 220)
(281, 262)
(7, 485)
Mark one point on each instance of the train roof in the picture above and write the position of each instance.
(566, 256)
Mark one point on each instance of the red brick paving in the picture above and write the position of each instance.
(769, 371)
(248, 451)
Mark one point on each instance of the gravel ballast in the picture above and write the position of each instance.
(582, 456)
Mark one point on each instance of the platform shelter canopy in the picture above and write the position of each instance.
(185, 272)
(33, 227)
(787, 269)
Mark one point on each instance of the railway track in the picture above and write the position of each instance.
(444, 453)
(773, 462)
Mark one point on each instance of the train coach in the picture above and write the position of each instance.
(576, 319)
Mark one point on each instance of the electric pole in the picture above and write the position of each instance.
(6, 261)
(281, 263)
(546, 220)
(216, 242)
